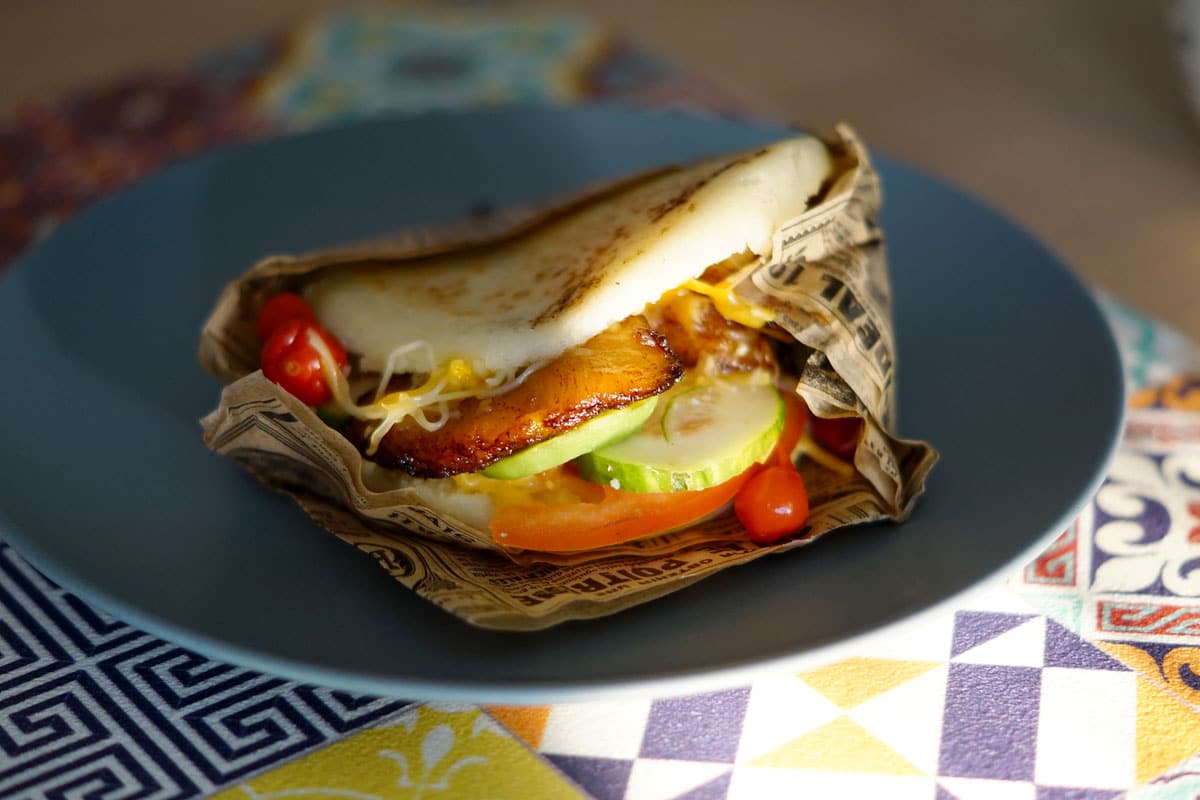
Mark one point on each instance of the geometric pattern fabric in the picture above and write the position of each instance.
(87, 701)
(1081, 680)
(990, 709)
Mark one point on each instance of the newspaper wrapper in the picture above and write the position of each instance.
(827, 283)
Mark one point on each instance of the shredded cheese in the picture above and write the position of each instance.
(442, 385)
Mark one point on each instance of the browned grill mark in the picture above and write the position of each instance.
(666, 207)
(583, 280)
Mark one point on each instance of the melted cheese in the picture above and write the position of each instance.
(729, 304)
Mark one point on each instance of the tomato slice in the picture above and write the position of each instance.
(617, 517)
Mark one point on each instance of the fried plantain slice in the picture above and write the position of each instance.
(627, 362)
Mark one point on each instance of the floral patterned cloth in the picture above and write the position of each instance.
(1081, 679)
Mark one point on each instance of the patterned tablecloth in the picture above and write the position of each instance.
(1079, 679)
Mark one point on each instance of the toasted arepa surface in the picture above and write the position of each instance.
(530, 298)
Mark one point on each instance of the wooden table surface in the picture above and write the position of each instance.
(1067, 115)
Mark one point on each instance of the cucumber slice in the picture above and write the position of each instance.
(600, 430)
(707, 434)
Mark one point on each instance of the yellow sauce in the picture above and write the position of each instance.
(727, 302)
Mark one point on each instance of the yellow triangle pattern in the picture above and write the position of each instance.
(839, 746)
(1168, 731)
(856, 680)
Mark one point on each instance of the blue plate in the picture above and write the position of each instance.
(1005, 365)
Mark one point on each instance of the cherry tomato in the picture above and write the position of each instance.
(772, 504)
(279, 309)
(290, 360)
(838, 436)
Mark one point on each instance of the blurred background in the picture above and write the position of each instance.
(1070, 116)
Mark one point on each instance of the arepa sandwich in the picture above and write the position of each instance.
(594, 379)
